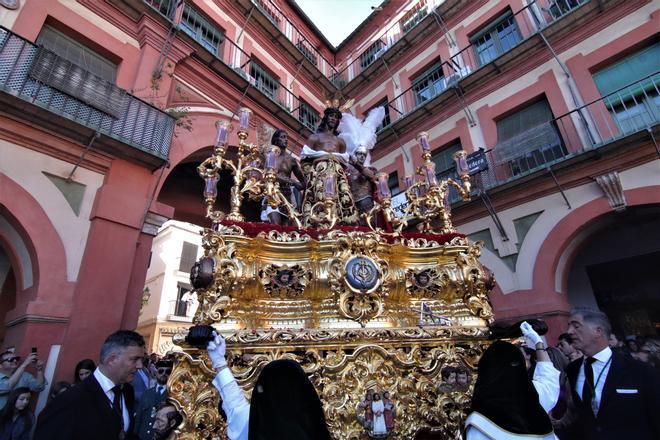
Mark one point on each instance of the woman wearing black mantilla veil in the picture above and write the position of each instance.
(284, 404)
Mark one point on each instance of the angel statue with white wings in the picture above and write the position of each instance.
(360, 139)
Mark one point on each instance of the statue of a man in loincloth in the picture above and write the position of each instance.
(327, 154)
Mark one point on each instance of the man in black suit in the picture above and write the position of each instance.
(615, 396)
(101, 406)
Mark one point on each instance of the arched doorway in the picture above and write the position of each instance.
(182, 190)
(616, 270)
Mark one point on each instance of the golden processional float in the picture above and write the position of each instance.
(366, 312)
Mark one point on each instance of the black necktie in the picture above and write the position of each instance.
(588, 390)
(116, 403)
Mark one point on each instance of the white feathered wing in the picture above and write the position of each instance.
(358, 133)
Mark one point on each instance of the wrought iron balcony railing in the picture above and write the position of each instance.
(291, 32)
(44, 83)
(211, 38)
(622, 113)
(516, 29)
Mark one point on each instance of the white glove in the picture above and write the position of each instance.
(216, 350)
(530, 334)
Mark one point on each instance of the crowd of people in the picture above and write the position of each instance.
(123, 397)
(592, 385)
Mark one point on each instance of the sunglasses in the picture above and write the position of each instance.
(11, 359)
(164, 370)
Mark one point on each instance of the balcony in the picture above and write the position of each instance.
(284, 32)
(178, 311)
(235, 65)
(479, 63)
(394, 42)
(612, 125)
(34, 82)
(629, 112)
(624, 114)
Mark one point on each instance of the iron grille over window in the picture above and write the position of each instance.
(263, 80)
(201, 30)
(80, 55)
(67, 77)
(528, 139)
(308, 53)
(188, 256)
(414, 16)
(429, 84)
(496, 39)
(371, 54)
(308, 116)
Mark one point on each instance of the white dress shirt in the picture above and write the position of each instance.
(600, 368)
(234, 404)
(107, 385)
(546, 383)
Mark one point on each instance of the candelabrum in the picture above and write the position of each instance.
(249, 179)
(324, 212)
(427, 198)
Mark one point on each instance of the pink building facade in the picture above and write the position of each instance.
(557, 102)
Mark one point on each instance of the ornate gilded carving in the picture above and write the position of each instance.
(477, 282)
(428, 283)
(284, 237)
(406, 363)
(214, 300)
(358, 275)
(283, 281)
(287, 295)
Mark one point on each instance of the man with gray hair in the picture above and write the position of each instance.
(615, 396)
(101, 406)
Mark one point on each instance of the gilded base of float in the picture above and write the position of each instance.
(352, 307)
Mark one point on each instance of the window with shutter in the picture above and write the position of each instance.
(308, 116)
(66, 47)
(201, 30)
(371, 54)
(631, 89)
(70, 67)
(445, 167)
(188, 256)
(263, 80)
(413, 16)
(528, 139)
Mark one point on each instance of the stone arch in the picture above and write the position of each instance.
(559, 248)
(50, 293)
(188, 149)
